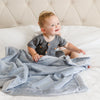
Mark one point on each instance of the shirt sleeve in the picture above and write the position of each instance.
(62, 42)
(33, 43)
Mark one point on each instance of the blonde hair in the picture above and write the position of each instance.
(43, 15)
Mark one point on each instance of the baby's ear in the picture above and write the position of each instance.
(43, 30)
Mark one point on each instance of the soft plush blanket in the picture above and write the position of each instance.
(20, 75)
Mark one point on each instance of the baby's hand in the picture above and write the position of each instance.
(36, 57)
(81, 51)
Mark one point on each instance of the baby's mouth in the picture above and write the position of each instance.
(56, 30)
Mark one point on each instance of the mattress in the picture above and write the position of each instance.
(84, 37)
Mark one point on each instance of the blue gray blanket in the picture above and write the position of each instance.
(20, 75)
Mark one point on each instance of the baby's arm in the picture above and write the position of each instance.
(34, 54)
(71, 47)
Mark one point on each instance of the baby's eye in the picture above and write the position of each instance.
(52, 25)
(58, 23)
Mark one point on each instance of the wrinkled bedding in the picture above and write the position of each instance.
(85, 37)
(20, 75)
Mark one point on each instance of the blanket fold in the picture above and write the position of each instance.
(20, 75)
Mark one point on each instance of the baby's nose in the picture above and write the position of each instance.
(56, 26)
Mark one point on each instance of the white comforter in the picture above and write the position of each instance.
(87, 38)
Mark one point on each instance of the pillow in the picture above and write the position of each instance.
(16, 37)
(84, 37)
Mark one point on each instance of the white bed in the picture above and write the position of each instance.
(85, 37)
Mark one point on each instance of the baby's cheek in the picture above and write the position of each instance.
(53, 30)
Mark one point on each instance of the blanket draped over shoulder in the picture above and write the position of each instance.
(20, 75)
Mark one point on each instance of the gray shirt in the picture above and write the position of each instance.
(43, 47)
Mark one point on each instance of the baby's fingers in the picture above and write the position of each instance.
(81, 51)
(84, 52)
(41, 56)
(37, 57)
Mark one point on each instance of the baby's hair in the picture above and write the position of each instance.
(43, 15)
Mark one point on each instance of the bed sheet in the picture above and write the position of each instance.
(87, 38)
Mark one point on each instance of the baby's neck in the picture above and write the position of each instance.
(48, 38)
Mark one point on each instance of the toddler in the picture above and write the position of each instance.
(50, 39)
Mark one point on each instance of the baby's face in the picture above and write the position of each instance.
(52, 25)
